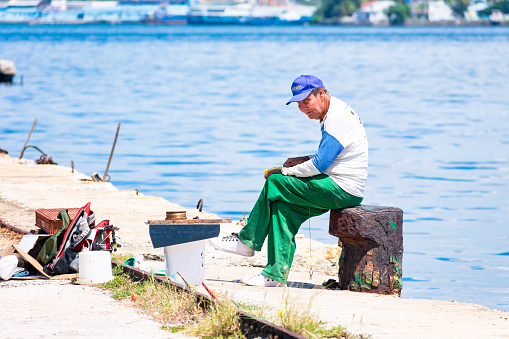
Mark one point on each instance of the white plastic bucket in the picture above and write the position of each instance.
(95, 267)
(188, 259)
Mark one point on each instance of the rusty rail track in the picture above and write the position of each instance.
(251, 326)
(12, 228)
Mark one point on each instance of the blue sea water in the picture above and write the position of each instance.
(203, 114)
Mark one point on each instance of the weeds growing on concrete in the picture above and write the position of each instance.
(161, 301)
(259, 311)
(182, 312)
(121, 257)
(222, 320)
(297, 319)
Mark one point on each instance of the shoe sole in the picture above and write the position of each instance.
(229, 251)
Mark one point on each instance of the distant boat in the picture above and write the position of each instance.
(220, 13)
(168, 14)
(7, 71)
(18, 12)
(124, 11)
(261, 12)
(252, 12)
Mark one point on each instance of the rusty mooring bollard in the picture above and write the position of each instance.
(372, 248)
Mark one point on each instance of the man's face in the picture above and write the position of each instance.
(313, 106)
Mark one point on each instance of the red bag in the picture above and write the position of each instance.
(100, 238)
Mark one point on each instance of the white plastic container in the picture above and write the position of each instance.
(28, 241)
(95, 267)
(8, 265)
(188, 259)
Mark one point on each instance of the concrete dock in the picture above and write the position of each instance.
(25, 187)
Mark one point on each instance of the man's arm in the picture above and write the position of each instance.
(290, 162)
(328, 150)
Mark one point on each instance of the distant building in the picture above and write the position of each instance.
(439, 11)
(497, 17)
(23, 3)
(373, 12)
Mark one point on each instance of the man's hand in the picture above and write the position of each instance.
(272, 171)
(295, 161)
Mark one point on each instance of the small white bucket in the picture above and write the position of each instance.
(188, 259)
(95, 267)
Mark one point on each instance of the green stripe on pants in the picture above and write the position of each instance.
(285, 202)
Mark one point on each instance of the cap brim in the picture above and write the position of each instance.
(299, 97)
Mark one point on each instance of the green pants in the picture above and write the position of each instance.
(285, 202)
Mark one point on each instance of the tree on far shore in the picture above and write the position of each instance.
(335, 9)
(502, 6)
(398, 14)
(459, 7)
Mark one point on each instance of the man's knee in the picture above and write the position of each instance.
(274, 181)
(274, 178)
(280, 180)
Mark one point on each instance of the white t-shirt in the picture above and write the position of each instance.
(342, 153)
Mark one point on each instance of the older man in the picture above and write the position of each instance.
(306, 186)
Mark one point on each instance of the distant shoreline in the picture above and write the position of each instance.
(324, 23)
(421, 24)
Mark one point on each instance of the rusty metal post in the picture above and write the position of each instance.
(25, 146)
(111, 154)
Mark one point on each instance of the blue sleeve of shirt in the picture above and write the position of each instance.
(328, 150)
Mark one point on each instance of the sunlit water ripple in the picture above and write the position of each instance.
(203, 113)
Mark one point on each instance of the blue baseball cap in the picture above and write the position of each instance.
(302, 86)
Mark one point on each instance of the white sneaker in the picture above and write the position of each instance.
(232, 244)
(260, 280)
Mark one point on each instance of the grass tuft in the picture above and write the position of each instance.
(121, 257)
(255, 310)
(173, 329)
(298, 319)
(334, 332)
(221, 321)
(161, 301)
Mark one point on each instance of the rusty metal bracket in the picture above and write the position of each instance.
(44, 159)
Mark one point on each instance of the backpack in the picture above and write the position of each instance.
(81, 235)
(100, 238)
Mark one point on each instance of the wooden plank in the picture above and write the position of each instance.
(8, 250)
(31, 260)
(66, 276)
(189, 221)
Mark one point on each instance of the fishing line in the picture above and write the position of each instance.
(309, 227)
